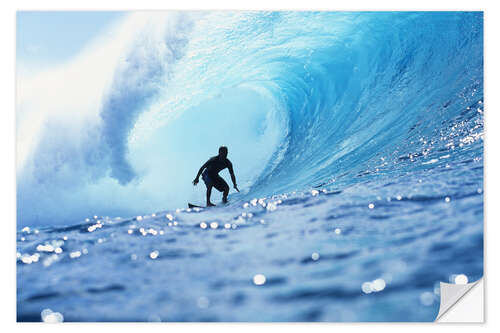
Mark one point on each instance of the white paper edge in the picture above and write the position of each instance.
(461, 303)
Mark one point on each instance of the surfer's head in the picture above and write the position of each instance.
(223, 151)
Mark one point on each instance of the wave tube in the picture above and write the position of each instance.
(302, 100)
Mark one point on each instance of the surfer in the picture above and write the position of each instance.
(210, 175)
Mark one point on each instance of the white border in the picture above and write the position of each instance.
(7, 220)
(251, 5)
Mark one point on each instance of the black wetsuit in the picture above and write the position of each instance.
(211, 173)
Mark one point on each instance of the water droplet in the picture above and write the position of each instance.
(373, 286)
(378, 285)
(48, 316)
(75, 254)
(366, 287)
(153, 255)
(259, 279)
(461, 279)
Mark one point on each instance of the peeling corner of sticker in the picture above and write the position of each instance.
(453, 295)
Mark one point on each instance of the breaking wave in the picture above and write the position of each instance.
(302, 99)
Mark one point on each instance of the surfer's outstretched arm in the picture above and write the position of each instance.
(197, 179)
(233, 178)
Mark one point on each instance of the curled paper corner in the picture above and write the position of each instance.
(461, 302)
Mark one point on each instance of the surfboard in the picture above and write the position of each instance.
(190, 205)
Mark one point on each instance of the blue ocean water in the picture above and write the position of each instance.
(357, 143)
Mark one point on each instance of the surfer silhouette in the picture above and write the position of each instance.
(210, 175)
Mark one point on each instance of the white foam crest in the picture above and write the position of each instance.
(73, 92)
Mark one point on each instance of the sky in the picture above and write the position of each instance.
(45, 38)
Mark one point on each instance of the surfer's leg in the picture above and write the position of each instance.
(220, 184)
(209, 193)
(225, 193)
